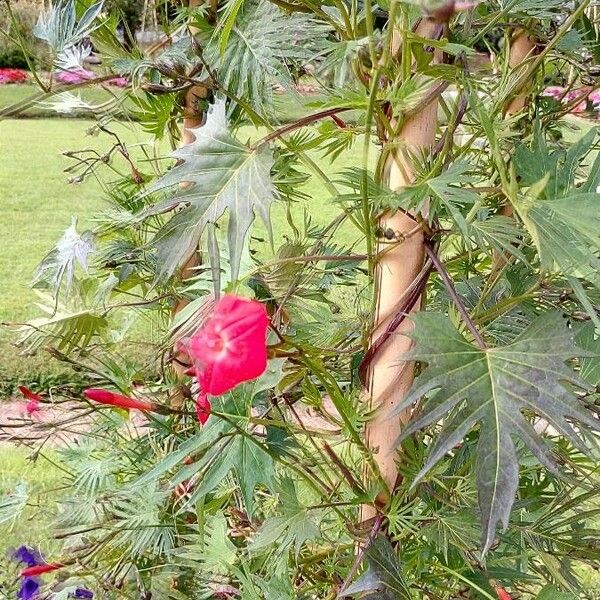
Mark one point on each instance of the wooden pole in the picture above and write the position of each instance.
(193, 117)
(522, 46)
(389, 379)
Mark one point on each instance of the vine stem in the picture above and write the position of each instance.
(377, 524)
(449, 285)
(307, 120)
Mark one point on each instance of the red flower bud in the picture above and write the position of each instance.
(105, 397)
(503, 594)
(41, 569)
(203, 408)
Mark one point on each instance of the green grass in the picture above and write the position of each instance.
(17, 93)
(37, 204)
(35, 523)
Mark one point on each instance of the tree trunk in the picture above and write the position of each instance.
(389, 379)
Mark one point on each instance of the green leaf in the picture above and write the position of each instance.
(590, 365)
(206, 437)
(494, 387)
(254, 466)
(384, 579)
(226, 457)
(70, 327)
(214, 553)
(254, 50)
(499, 233)
(222, 174)
(551, 593)
(446, 190)
(566, 232)
(537, 8)
(229, 16)
(13, 503)
(294, 527)
(557, 166)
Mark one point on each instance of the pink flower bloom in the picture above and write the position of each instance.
(595, 99)
(231, 346)
(119, 82)
(465, 5)
(553, 91)
(105, 397)
(75, 75)
(581, 95)
(33, 400)
(41, 569)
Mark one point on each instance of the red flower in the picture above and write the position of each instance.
(118, 400)
(33, 399)
(503, 594)
(41, 569)
(231, 346)
(203, 408)
(9, 75)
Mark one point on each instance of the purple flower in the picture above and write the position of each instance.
(30, 586)
(83, 593)
(29, 556)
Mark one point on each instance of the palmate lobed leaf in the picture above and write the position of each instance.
(256, 45)
(222, 175)
(466, 386)
(385, 578)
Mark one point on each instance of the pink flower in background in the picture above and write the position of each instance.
(594, 98)
(77, 75)
(119, 82)
(33, 400)
(554, 91)
(580, 94)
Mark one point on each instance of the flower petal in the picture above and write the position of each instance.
(203, 408)
(231, 346)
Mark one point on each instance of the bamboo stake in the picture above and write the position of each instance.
(522, 46)
(389, 379)
(193, 117)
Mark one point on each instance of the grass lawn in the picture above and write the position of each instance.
(37, 203)
(43, 481)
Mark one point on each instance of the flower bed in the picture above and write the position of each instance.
(9, 75)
